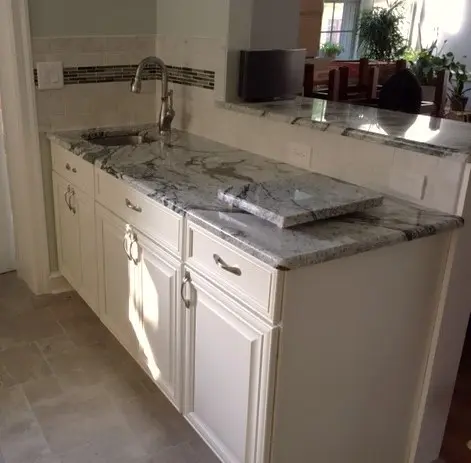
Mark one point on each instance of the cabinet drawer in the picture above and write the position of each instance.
(156, 221)
(74, 169)
(238, 273)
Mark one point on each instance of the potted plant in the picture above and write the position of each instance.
(458, 98)
(331, 50)
(426, 63)
(379, 33)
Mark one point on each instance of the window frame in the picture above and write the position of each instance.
(351, 51)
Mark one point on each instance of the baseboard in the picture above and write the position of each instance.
(58, 284)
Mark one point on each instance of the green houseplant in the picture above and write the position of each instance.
(379, 33)
(458, 79)
(331, 50)
(426, 63)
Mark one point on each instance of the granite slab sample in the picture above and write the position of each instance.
(187, 175)
(300, 199)
(419, 133)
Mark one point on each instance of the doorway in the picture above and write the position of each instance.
(7, 247)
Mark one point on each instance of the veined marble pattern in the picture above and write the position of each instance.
(301, 199)
(419, 133)
(187, 176)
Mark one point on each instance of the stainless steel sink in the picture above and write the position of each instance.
(122, 140)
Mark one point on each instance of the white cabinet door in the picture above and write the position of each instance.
(76, 241)
(228, 375)
(159, 339)
(117, 276)
(68, 232)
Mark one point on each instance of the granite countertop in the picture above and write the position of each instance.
(419, 133)
(187, 176)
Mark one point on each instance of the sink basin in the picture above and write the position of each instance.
(122, 140)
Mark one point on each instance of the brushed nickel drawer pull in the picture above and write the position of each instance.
(132, 206)
(221, 264)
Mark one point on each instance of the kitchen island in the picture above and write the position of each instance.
(302, 344)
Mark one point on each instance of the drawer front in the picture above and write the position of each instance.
(238, 273)
(156, 221)
(74, 169)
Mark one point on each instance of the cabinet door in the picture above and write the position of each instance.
(76, 240)
(117, 276)
(159, 339)
(68, 232)
(228, 375)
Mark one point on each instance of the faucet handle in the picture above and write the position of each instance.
(170, 99)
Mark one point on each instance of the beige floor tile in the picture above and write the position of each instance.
(21, 437)
(86, 331)
(75, 419)
(87, 360)
(69, 306)
(156, 423)
(21, 364)
(38, 324)
(116, 443)
(43, 389)
(56, 345)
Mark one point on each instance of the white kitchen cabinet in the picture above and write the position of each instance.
(159, 300)
(76, 246)
(139, 299)
(229, 360)
(117, 276)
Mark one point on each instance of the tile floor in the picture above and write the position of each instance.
(69, 393)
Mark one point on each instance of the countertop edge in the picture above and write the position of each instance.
(319, 257)
(344, 130)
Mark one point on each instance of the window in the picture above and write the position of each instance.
(339, 22)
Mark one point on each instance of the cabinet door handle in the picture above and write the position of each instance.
(221, 264)
(134, 242)
(72, 195)
(186, 280)
(132, 206)
(125, 241)
(66, 198)
(67, 166)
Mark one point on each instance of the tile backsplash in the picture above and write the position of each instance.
(106, 65)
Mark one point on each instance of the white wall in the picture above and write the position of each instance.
(453, 25)
(65, 18)
(275, 24)
(193, 18)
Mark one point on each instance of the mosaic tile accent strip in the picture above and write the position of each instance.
(124, 73)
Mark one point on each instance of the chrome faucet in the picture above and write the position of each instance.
(167, 112)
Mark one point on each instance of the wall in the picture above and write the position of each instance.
(275, 24)
(310, 23)
(454, 26)
(202, 18)
(65, 18)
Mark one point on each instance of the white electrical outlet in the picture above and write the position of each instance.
(50, 75)
(299, 154)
